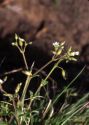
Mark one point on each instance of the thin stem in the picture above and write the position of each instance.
(25, 62)
(75, 113)
(54, 67)
(17, 120)
(27, 80)
(52, 60)
(68, 85)
(25, 89)
(16, 115)
(47, 109)
(43, 67)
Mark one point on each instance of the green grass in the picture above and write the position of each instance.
(39, 109)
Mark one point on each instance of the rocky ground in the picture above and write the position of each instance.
(43, 22)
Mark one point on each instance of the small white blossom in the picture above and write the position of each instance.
(1, 81)
(62, 44)
(21, 39)
(75, 53)
(55, 44)
(13, 44)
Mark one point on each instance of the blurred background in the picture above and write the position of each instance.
(43, 22)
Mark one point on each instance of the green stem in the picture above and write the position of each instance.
(25, 62)
(27, 81)
(52, 60)
(25, 89)
(74, 113)
(40, 84)
(68, 85)
(54, 67)
(43, 67)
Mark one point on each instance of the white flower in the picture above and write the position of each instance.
(1, 81)
(75, 53)
(62, 44)
(56, 44)
(21, 39)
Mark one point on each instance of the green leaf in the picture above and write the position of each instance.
(3, 123)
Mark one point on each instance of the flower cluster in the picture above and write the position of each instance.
(20, 43)
(58, 48)
(69, 55)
